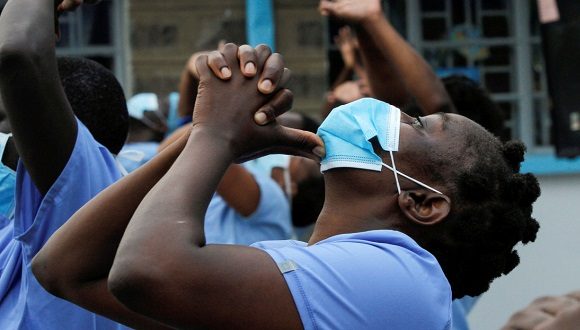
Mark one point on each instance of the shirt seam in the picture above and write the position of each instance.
(304, 298)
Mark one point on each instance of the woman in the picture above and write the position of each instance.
(390, 248)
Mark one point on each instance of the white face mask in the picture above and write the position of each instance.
(347, 132)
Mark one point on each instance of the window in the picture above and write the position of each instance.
(96, 32)
(498, 40)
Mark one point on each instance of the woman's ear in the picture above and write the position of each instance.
(424, 207)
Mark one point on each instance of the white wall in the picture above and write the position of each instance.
(549, 266)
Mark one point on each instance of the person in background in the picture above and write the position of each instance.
(147, 128)
(68, 118)
(399, 75)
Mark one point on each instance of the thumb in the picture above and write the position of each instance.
(300, 143)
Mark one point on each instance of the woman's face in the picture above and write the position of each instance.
(439, 130)
(422, 139)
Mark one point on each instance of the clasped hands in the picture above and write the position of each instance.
(241, 92)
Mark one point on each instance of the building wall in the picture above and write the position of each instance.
(164, 34)
(549, 266)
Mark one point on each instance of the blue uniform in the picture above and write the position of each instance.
(135, 154)
(270, 221)
(461, 308)
(371, 280)
(24, 304)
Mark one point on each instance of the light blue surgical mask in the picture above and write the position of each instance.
(7, 182)
(348, 130)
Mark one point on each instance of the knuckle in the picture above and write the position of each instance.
(263, 48)
(287, 96)
(270, 112)
(214, 55)
(230, 45)
(201, 60)
(276, 60)
(230, 48)
(245, 49)
(543, 300)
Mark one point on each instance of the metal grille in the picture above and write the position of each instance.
(98, 33)
(499, 41)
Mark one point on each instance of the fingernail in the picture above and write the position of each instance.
(260, 118)
(266, 85)
(319, 151)
(250, 68)
(226, 73)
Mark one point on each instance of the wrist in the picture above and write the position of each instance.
(217, 140)
(371, 21)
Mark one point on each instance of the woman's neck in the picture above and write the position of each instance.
(340, 216)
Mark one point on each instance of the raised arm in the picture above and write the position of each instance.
(238, 187)
(184, 283)
(42, 121)
(349, 51)
(399, 64)
(191, 283)
(188, 86)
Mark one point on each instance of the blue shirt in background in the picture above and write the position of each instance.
(461, 308)
(24, 304)
(136, 154)
(270, 221)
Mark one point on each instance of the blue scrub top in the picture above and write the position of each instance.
(379, 279)
(270, 221)
(24, 304)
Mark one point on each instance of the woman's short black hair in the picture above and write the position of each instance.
(97, 99)
(490, 213)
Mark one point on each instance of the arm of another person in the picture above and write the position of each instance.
(221, 286)
(548, 313)
(399, 60)
(348, 46)
(42, 121)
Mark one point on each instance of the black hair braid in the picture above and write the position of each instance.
(491, 213)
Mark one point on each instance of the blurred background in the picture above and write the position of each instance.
(495, 42)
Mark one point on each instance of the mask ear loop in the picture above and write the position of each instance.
(410, 178)
(395, 172)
